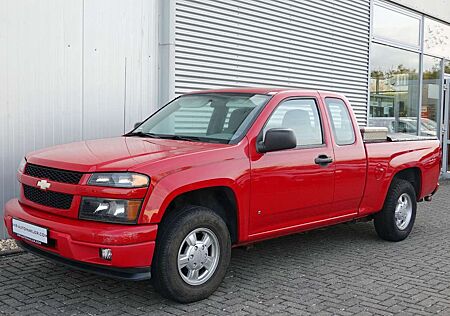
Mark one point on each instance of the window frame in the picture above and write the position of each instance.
(332, 125)
(396, 43)
(319, 113)
(400, 45)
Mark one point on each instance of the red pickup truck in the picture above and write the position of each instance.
(210, 171)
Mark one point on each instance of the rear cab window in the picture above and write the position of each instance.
(341, 122)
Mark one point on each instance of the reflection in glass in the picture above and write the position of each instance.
(396, 26)
(394, 89)
(447, 67)
(448, 160)
(431, 95)
(436, 38)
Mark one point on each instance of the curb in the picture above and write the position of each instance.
(11, 252)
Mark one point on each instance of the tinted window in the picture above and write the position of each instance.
(431, 95)
(394, 87)
(341, 122)
(302, 116)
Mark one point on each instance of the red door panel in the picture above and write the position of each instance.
(289, 189)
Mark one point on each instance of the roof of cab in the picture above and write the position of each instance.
(271, 91)
(256, 90)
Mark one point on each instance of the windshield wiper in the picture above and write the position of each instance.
(165, 136)
(142, 134)
(178, 137)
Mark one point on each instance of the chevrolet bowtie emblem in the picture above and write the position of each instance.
(43, 184)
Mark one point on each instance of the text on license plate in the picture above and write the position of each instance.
(29, 231)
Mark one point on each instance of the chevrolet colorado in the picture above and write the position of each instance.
(213, 170)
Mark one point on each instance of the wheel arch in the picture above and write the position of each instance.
(412, 175)
(221, 199)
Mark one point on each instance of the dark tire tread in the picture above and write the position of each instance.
(165, 276)
(384, 221)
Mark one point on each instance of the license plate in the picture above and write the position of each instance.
(30, 232)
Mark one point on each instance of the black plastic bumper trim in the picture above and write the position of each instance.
(130, 274)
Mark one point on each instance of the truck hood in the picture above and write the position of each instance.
(114, 154)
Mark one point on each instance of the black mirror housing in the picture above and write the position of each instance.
(137, 124)
(277, 139)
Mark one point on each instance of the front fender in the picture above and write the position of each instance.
(232, 173)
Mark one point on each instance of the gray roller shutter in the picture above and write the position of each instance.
(314, 44)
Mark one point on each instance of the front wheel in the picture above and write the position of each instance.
(192, 255)
(396, 219)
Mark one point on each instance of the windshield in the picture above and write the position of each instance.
(215, 117)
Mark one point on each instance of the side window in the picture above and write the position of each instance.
(341, 122)
(302, 116)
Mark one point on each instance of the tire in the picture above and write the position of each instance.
(390, 226)
(180, 284)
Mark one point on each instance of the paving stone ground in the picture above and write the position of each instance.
(342, 270)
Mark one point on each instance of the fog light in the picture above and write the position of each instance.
(106, 253)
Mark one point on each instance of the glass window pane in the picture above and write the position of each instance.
(302, 116)
(341, 122)
(396, 26)
(447, 67)
(431, 95)
(209, 117)
(436, 38)
(394, 89)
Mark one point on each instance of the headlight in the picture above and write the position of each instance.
(22, 164)
(119, 180)
(110, 210)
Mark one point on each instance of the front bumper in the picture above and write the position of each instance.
(77, 243)
(130, 274)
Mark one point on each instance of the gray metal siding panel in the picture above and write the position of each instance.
(40, 82)
(119, 65)
(304, 44)
(50, 68)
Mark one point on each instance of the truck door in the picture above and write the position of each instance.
(349, 157)
(293, 187)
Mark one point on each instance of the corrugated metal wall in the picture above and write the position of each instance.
(316, 44)
(71, 70)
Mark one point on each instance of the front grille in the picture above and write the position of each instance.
(53, 174)
(48, 198)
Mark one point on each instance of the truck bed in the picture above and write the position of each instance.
(386, 158)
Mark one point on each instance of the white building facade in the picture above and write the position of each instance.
(84, 69)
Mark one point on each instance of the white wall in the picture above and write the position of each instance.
(71, 70)
(120, 65)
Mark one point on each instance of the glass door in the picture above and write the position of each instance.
(445, 135)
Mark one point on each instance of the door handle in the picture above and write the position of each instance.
(323, 160)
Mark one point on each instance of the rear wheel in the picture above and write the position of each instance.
(396, 219)
(192, 255)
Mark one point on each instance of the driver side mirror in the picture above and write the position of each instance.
(277, 139)
(137, 124)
